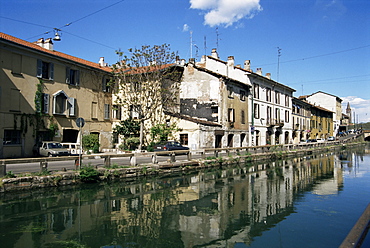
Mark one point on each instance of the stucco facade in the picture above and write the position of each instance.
(43, 92)
(329, 102)
(210, 95)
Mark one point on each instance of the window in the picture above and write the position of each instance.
(286, 101)
(135, 111)
(230, 91)
(61, 104)
(277, 97)
(242, 116)
(184, 139)
(72, 76)
(231, 115)
(117, 114)
(214, 110)
(286, 116)
(135, 86)
(256, 91)
(256, 112)
(106, 84)
(277, 115)
(45, 70)
(94, 110)
(106, 111)
(269, 115)
(242, 95)
(12, 137)
(268, 94)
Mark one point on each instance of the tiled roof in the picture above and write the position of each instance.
(30, 45)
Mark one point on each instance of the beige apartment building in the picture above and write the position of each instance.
(43, 92)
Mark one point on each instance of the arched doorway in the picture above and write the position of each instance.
(242, 139)
(286, 138)
(277, 137)
(257, 137)
(230, 140)
(268, 137)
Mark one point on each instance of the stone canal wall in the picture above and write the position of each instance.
(170, 167)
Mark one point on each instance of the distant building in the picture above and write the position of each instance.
(301, 120)
(329, 102)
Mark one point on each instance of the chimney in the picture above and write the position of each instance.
(203, 59)
(40, 42)
(102, 63)
(230, 61)
(214, 53)
(177, 59)
(259, 71)
(48, 44)
(182, 62)
(247, 65)
(192, 61)
(268, 75)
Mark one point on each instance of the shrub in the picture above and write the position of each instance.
(89, 174)
(91, 142)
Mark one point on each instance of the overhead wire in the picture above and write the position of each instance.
(317, 56)
(77, 20)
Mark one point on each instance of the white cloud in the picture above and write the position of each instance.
(360, 108)
(226, 12)
(185, 28)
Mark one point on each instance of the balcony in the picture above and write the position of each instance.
(280, 123)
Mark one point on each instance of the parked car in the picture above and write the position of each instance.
(320, 140)
(311, 140)
(331, 138)
(52, 149)
(73, 148)
(169, 146)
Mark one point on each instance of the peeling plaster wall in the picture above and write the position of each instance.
(199, 92)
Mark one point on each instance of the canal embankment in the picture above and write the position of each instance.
(209, 158)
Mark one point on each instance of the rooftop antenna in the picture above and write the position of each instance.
(205, 45)
(217, 38)
(191, 44)
(278, 65)
(196, 51)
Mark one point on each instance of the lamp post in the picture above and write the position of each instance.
(80, 122)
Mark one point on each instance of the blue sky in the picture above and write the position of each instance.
(324, 44)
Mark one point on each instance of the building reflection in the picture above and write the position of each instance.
(215, 208)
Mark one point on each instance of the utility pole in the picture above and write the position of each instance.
(278, 65)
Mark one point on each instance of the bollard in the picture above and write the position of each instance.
(154, 159)
(2, 169)
(133, 161)
(107, 161)
(172, 157)
(189, 156)
(216, 153)
(43, 166)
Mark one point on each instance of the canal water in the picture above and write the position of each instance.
(307, 202)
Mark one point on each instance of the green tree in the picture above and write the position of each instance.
(148, 83)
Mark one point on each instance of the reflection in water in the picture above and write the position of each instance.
(212, 208)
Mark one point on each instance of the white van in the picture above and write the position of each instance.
(73, 148)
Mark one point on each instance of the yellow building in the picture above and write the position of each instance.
(43, 92)
(321, 123)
